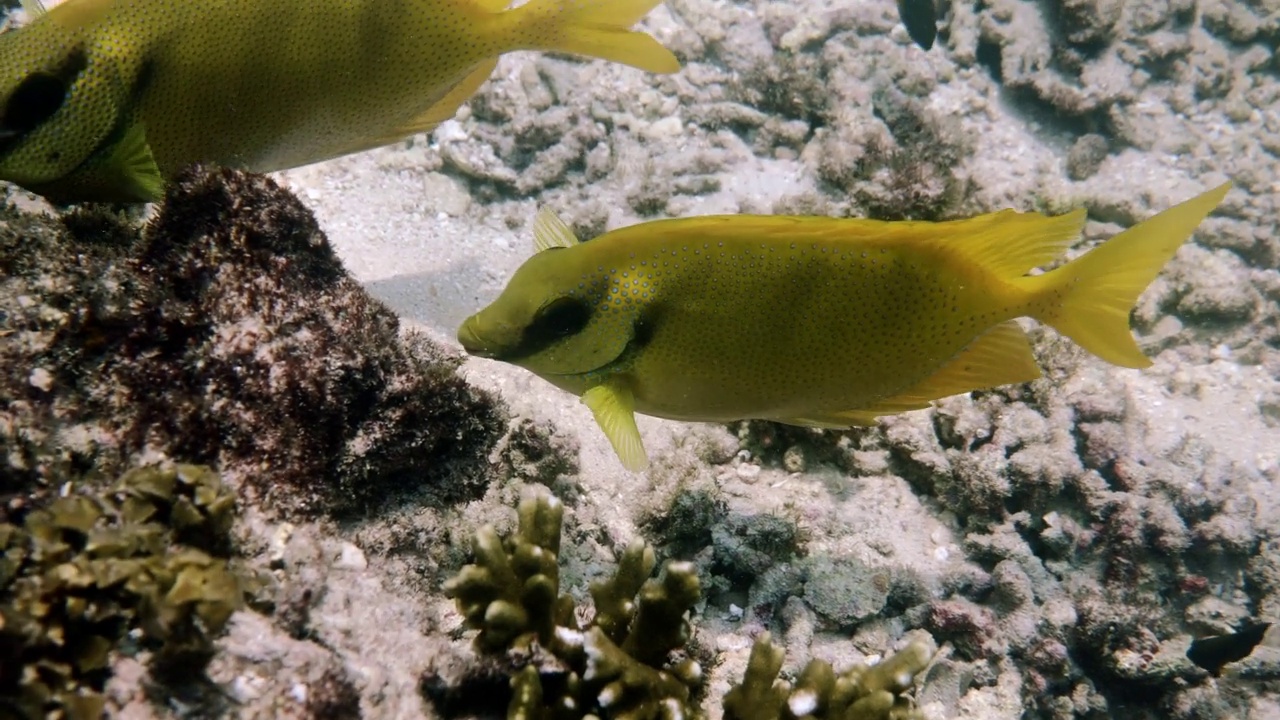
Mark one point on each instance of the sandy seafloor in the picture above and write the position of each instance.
(1124, 107)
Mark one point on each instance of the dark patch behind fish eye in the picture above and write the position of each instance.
(38, 97)
(558, 319)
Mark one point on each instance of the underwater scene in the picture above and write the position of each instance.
(559, 359)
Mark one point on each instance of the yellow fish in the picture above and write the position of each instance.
(809, 320)
(103, 99)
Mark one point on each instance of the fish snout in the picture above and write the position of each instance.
(470, 339)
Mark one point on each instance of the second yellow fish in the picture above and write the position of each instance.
(810, 320)
(104, 99)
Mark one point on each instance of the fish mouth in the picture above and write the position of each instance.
(473, 343)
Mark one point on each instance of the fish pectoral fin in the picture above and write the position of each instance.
(613, 406)
(134, 168)
(1001, 356)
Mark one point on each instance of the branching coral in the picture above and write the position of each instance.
(623, 663)
(630, 659)
(859, 693)
(152, 553)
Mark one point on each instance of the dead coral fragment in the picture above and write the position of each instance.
(621, 664)
(151, 553)
(859, 693)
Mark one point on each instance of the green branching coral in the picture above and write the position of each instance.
(623, 663)
(859, 693)
(629, 660)
(151, 553)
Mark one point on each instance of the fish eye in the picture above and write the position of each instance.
(35, 100)
(558, 319)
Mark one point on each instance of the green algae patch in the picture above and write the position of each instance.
(148, 558)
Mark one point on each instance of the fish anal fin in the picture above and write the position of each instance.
(1001, 356)
(426, 121)
(837, 421)
(447, 106)
(613, 406)
(493, 6)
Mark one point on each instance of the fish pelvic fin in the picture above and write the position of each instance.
(1089, 299)
(613, 406)
(595, 28)
(132, 161)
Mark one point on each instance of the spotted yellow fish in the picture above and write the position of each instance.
(104, 99)
(808, 320)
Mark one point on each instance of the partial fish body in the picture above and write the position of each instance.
(812, 321)
(103, 99)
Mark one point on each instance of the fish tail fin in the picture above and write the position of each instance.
(595, 28)
(1089, 299)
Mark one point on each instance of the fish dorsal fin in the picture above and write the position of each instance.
(549, 231)
(1001, 356)
(613, 406)
(132, 161)
(34, 8)
(78, 13)
(1010, 243)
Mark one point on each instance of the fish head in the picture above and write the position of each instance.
(61, 103)
(554, 318)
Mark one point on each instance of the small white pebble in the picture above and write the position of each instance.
(352, 558)
(298, 692)
(940, 553)
(279, 539)
(41, 378)
(748, 472)
(803, 702)
(735, 612)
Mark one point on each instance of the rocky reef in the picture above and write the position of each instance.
(227, 332)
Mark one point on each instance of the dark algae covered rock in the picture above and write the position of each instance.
(148, 556)
(225, 331)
